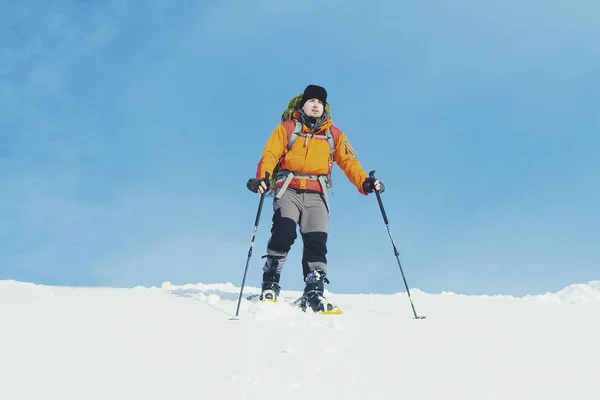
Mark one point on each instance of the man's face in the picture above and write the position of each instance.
(313, 108)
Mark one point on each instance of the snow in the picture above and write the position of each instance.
(180, 342)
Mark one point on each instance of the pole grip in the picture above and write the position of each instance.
(260, 204)
(385, 219)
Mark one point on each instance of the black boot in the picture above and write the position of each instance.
(313, 296)
(270, 283)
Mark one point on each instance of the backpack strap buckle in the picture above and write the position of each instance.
(302, 182)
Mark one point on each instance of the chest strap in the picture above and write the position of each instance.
(298, 132)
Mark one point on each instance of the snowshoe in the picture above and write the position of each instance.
(315, 301)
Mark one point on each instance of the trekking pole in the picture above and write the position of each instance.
(260, 204)
(385, 219)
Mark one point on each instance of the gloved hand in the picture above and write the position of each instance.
(258, 185)
(371, 184)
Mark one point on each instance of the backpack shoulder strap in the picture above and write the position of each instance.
(331, 143)
(289, 126)
(333, 137)
(335, 133)
(294, 129)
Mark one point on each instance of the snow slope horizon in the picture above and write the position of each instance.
(576, 293)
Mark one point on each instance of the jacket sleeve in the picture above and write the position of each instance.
(273, 152)
(346, 159)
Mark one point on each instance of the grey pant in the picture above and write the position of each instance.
(309, 210)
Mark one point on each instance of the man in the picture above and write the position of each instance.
(304, 149)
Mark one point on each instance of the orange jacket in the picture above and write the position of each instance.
(310, 155)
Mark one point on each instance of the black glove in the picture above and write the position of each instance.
(369, 185)
(253, 184)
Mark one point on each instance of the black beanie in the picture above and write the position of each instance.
(314, 92)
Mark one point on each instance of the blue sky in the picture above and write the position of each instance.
(128, 131)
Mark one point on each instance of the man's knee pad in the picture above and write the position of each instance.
(315, 246)
(283, 233)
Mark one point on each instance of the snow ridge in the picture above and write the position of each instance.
(575, 294)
